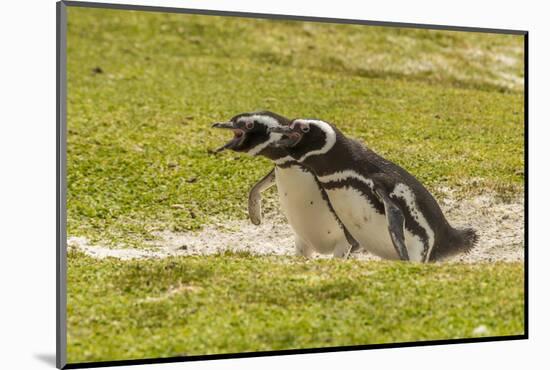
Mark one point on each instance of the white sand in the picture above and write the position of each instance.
(499, 224)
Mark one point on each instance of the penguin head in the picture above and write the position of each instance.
(305, 137)
(251, 134)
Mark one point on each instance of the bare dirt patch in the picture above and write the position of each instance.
(500, 226)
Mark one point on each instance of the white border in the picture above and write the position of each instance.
(27, 152)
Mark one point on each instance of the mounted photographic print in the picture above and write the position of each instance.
(234, 184)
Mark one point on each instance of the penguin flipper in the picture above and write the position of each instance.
(255, 197)
(396, 224)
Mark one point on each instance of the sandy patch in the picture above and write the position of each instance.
(98, 251)
(500, 227)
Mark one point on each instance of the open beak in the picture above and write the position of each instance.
(223, 125)
(238, 137)
(288, 139)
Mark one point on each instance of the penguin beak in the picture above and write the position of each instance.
(289, 136)
(223, 125)
(238, 137)
(280, 129)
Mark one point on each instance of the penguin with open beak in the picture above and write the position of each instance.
(237, 139)
(303, 201)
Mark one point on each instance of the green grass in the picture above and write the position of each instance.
(143, 89)
(234, 303)
(435, 102)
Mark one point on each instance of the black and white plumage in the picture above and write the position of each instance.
(386, 209)
(303, 200)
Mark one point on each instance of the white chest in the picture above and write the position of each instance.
(365, 224)
(305, 209)
(369, 227)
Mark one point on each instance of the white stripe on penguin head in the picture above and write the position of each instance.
(330, 137)
(273, 137)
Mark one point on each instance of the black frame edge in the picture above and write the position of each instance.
(163, 360)
(526, 182)
(61, 172)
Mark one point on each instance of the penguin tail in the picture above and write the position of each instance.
(461, 241)
(466, 239)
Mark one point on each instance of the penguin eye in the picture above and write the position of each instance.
(249, 125)
(305, 128)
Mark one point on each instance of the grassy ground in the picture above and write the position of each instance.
(143, 89)
(235, 303)
(139, 131)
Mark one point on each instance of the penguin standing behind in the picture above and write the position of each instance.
(386, 209)
(303, 200)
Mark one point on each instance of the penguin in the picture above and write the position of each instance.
(303, 201)
(385, 208)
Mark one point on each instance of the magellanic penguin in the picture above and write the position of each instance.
(303, 201)
(386, 209)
